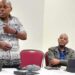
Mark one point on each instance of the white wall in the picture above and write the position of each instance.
(30, 14)
(59, 17)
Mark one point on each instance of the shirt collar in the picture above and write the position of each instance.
(65, 49)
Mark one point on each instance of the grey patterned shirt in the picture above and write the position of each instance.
(13, 53)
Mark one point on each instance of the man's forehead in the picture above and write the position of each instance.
(64, 35)
(5, 1)
(1, 0)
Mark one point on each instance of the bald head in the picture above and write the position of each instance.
(7, 2)
(63, 39)
(64, 35)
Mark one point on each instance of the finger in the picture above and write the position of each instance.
(7, 48)
(5, 24)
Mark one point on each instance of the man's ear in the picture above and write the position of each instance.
(58, 39)
(11, 9)
(67, 42)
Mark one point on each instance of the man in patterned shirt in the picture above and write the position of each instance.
(11, 31)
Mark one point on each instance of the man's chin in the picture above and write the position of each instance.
(3, 17)
(61, 46)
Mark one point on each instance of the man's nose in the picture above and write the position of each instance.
(62, 39)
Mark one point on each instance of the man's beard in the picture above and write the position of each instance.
(61, 46)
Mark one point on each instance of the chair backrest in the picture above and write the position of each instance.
(31, 57)
(46, 59)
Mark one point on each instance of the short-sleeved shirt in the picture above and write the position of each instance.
(11, 38)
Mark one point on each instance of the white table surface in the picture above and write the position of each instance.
(42, 71)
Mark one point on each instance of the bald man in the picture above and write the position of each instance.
(59, 55)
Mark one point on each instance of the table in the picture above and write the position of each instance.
(42, 71)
